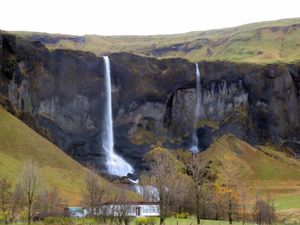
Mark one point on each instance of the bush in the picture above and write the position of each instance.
(182, 215)
(145, 221)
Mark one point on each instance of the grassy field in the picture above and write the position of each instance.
(192, 221)
(18, 142)
(168, 221)
(262, 42)
(288, 202)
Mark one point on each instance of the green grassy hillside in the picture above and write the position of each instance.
(18, 142)
(265, 171)
(262, 167)
(262, 42)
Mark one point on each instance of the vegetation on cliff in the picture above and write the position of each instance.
(262, 42)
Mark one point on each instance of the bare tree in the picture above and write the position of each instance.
(17, 202)
(95, 192)
(201, 174)
(146, 188)
(244, 201)
(50, 203)
(164, 172)
(5, 195)
(231, 178)
(178, 191)
(116, 208)
(30, 183)
(218, 203)
(181, 194)
(264, 211)
(122, 212)
(122, 208)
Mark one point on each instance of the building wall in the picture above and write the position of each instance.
(132, 210)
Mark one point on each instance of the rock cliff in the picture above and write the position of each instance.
(60, 94)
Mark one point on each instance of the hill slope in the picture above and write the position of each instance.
(18, 143)
(258, 42)
(266, 169)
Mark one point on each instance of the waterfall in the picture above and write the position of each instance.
(194, 147)
(148, 192)
(115, 164)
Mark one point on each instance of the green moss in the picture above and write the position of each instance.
(158, 150)
(142, 136)
(208, 123)
(242, 110)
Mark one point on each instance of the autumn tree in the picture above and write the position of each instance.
(163, 170)
(122, 209)
(30, 183)
(95, 192)
(201, 174)
(50, 203)
(218, 202)
(231, 181)
(11, 199)
(181, 194)
(244, 198)
(5, 196)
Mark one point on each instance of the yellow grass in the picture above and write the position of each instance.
(18, 142)
(264, 169)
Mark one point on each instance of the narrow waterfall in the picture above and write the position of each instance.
(194, 147)
(115, 164)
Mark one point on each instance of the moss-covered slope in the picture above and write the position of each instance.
(18, 142)
(262, 168)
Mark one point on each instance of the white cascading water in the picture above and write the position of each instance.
(115, 164)
(194, 147)
(148, 192)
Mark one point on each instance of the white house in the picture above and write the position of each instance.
(135, 209)
(77, 212)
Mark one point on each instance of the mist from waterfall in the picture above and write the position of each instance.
(115, 164)
(194, 147)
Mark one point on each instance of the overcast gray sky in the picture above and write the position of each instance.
(119, 17)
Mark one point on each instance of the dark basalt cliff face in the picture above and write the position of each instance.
(59, 93)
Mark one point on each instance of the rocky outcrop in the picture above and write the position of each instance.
(59, 93)
(257, 103)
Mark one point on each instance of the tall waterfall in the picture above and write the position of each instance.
(115, 164)
(194, 147)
